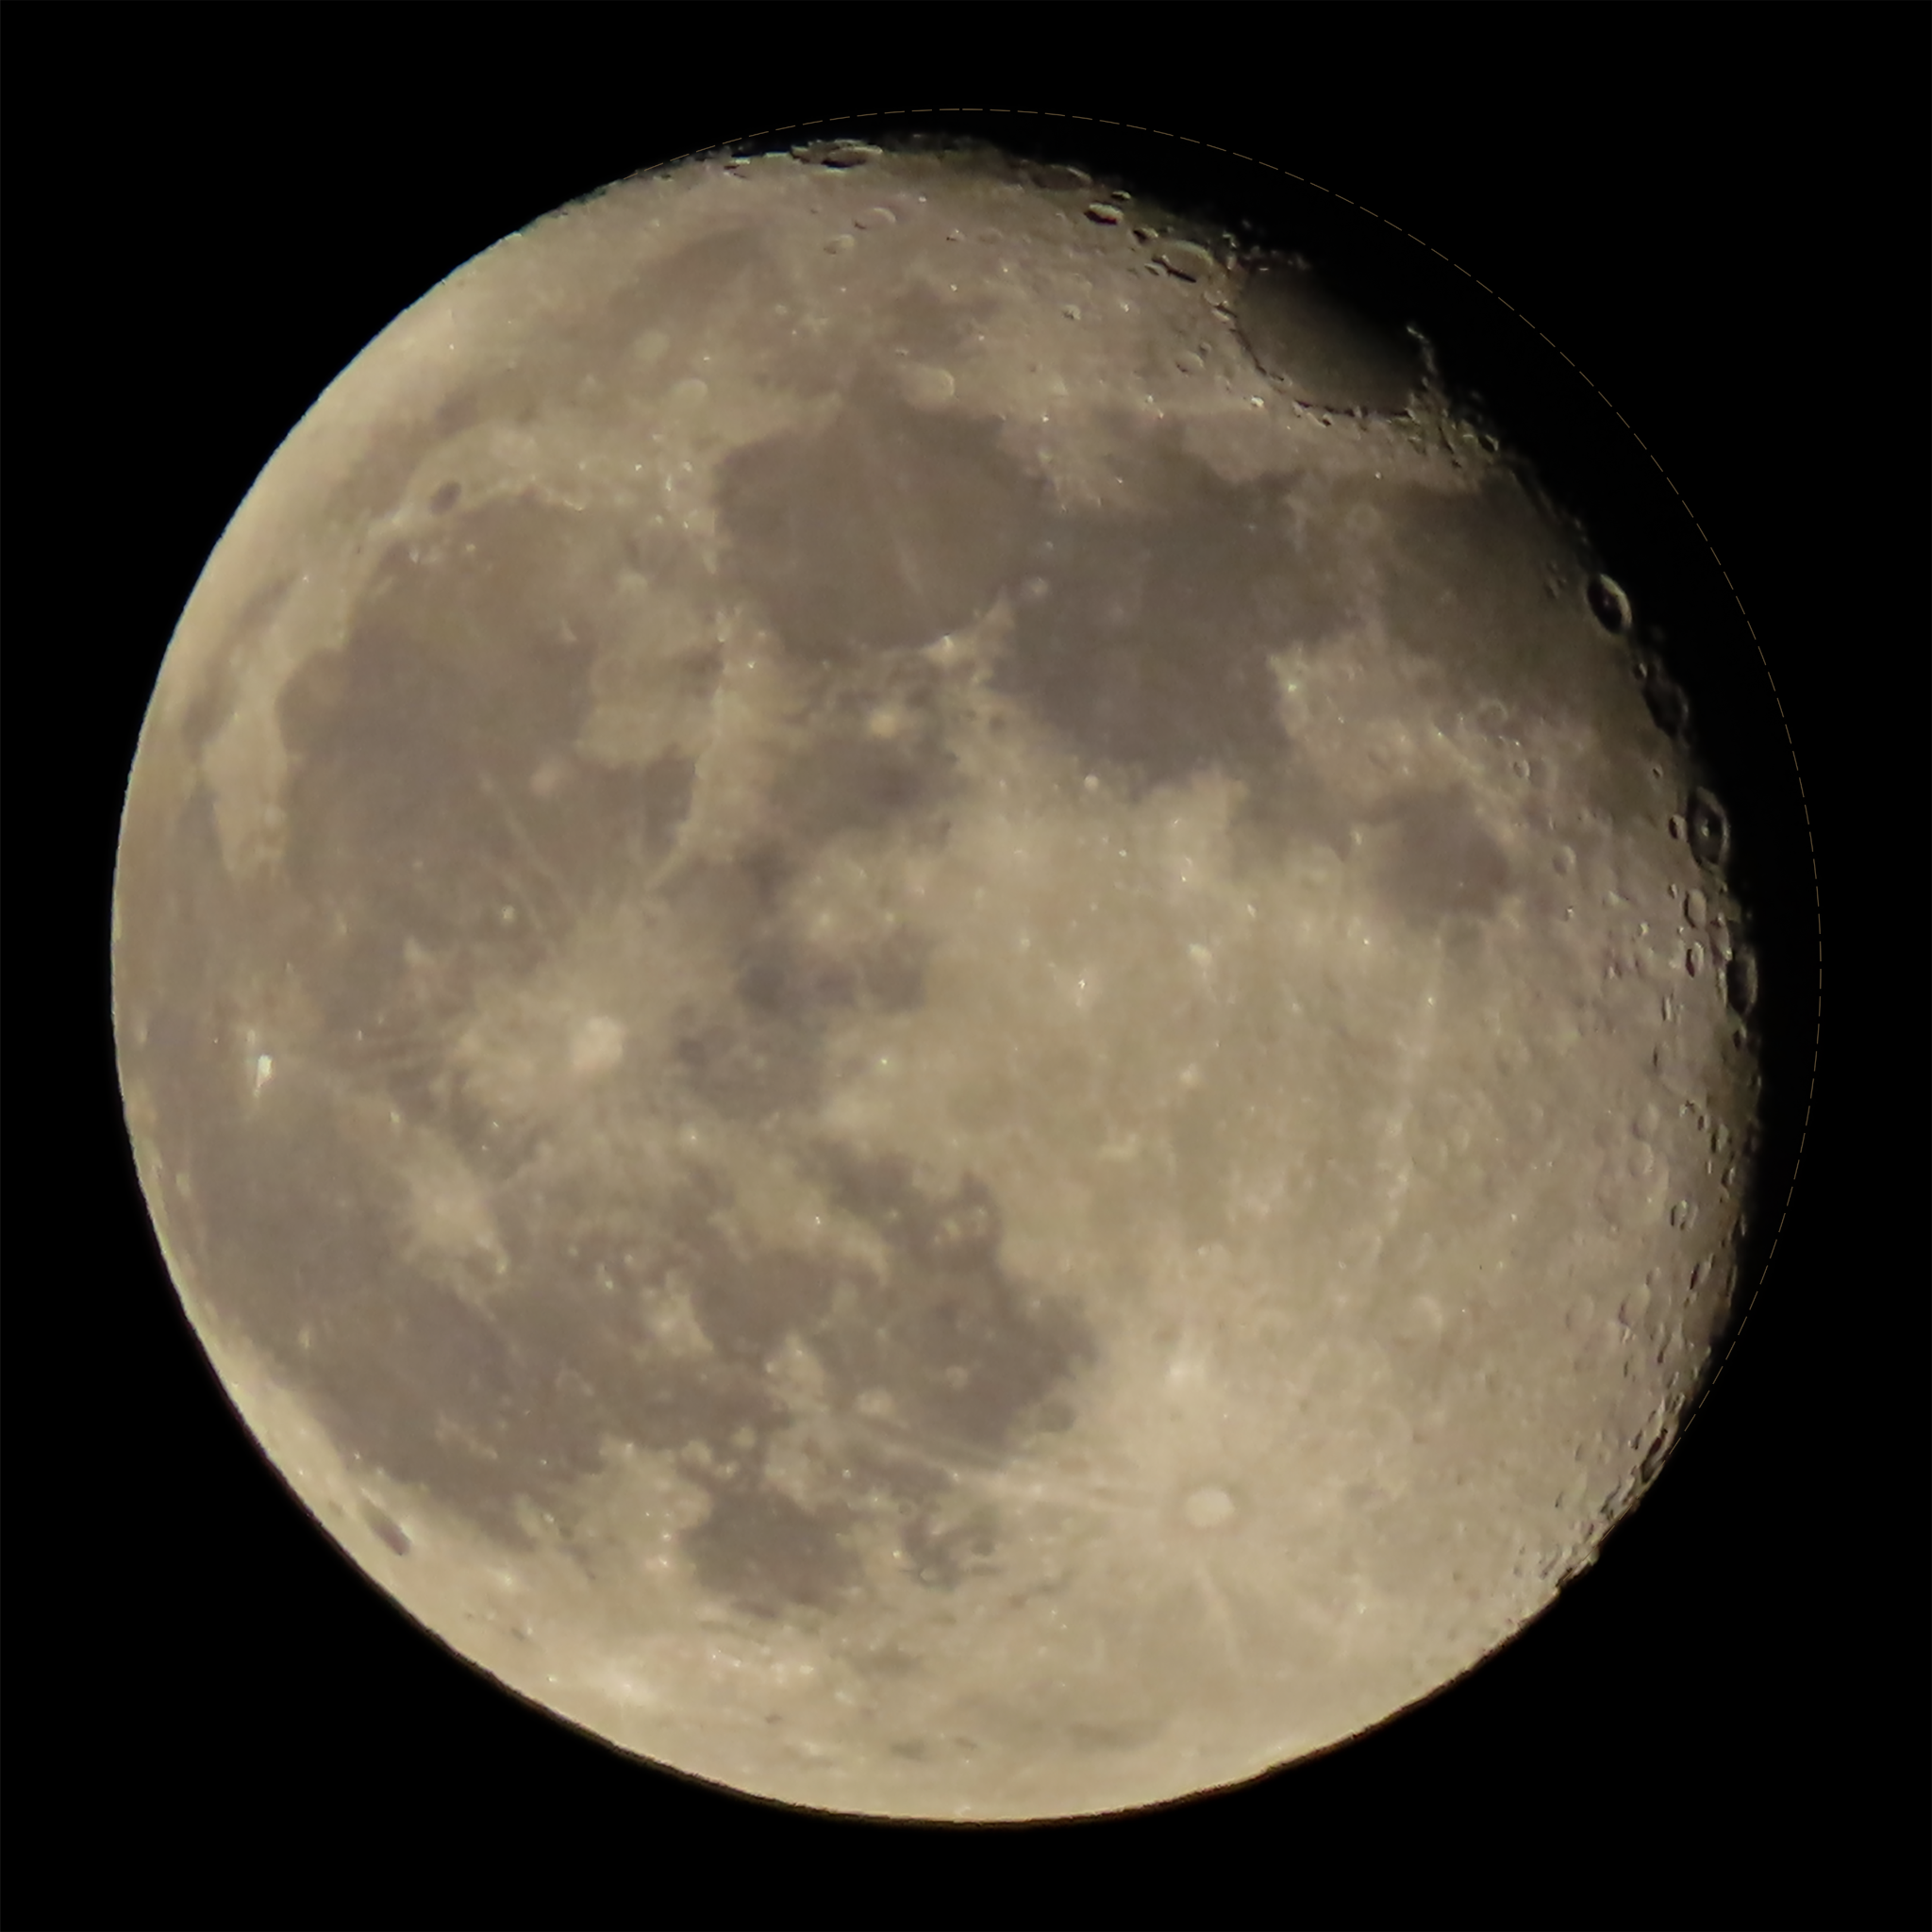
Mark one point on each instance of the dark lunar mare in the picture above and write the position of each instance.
(409, 815)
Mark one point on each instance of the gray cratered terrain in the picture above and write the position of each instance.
(915, 1000)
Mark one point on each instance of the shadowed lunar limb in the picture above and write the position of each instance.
(1321, 350)
(904, 1045)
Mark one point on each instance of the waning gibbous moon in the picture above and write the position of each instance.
(925, 1006)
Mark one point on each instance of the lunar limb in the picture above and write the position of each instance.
(925, 1008)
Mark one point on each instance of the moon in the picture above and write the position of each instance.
(927, 1006)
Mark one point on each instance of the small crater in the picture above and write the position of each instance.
(387, 1528)
(854, 154)
(596, 1045)
(1669, 708)
(446, 499)
(1710, 830)
(1741, 982)
(928, 387)
(1210, 1507)
(1609, 605)
(1187, 260)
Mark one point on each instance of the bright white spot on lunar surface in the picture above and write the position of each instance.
(956, 1012)
(1208, 1508)
(598, 1045)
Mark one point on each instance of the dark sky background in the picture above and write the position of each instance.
(1720, 216)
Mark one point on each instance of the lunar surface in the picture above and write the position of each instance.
(925, 1008)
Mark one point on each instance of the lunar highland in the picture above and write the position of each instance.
(926, 1007)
